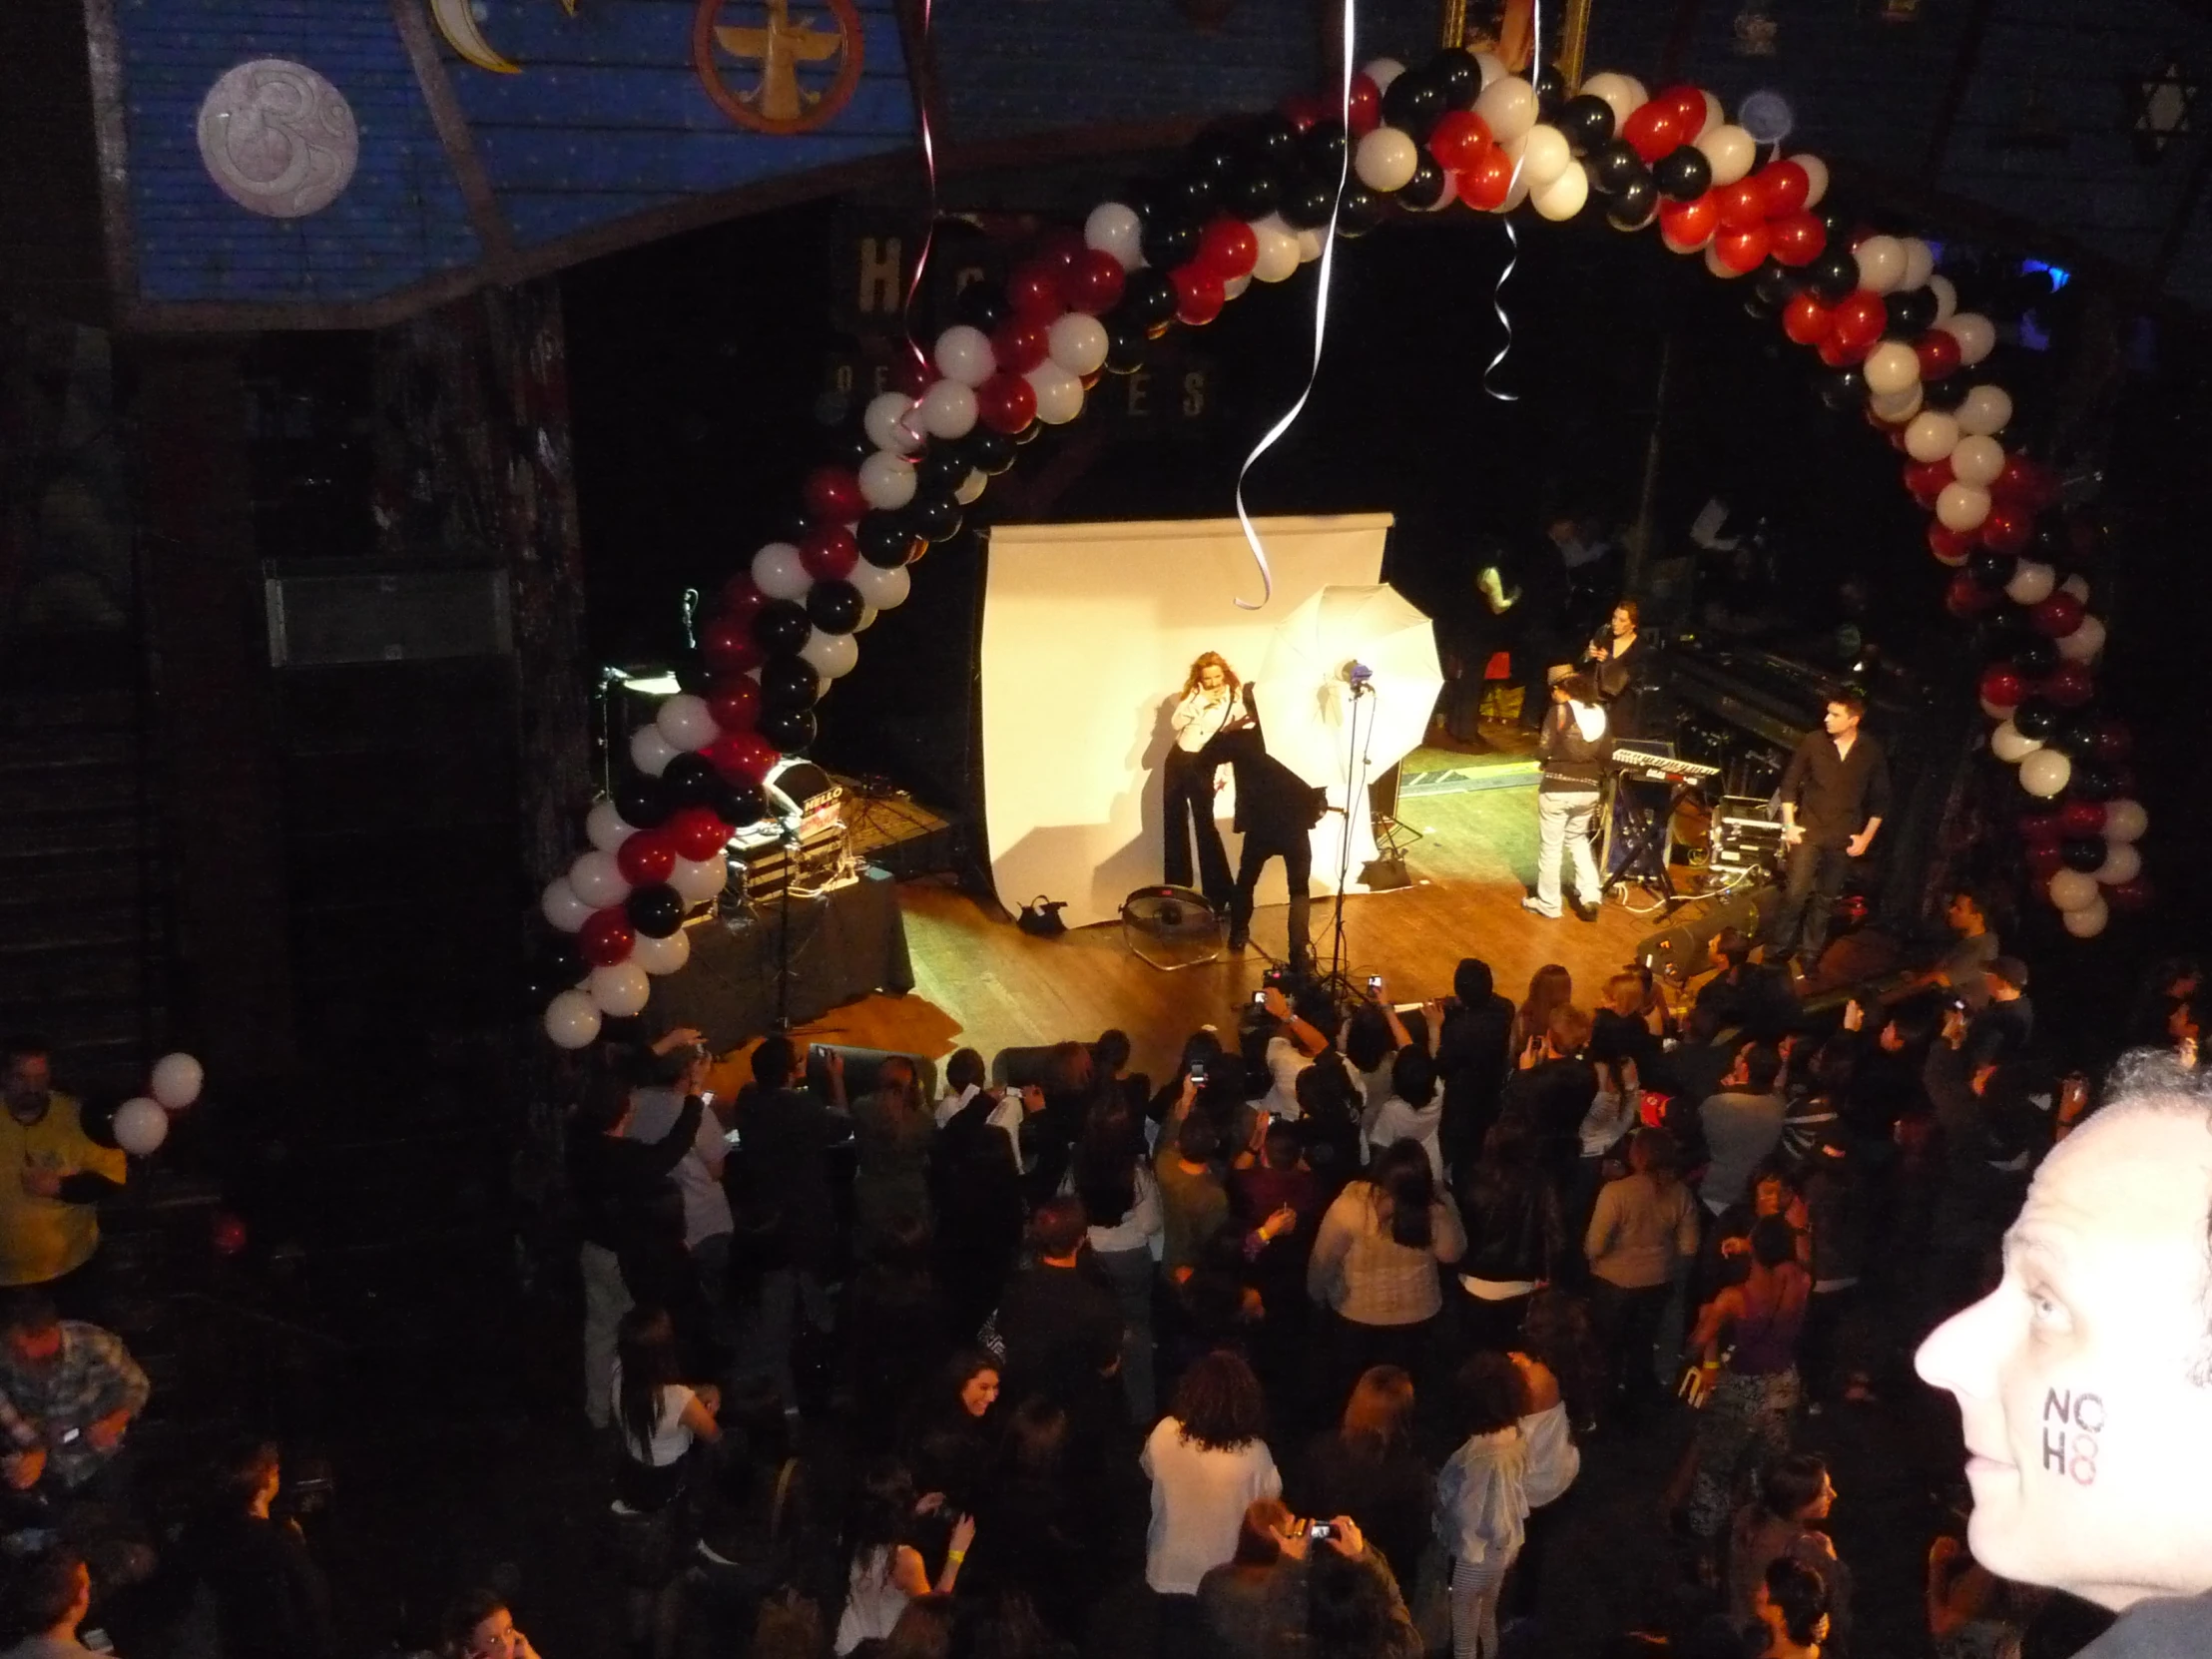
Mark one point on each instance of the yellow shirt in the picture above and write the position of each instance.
(44, 1238)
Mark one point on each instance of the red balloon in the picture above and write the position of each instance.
(2023, 481)
(1837, 354)
(1787, 185)
(727, 645)
(605, 938)
(2111, 741)
(2008, 528)
(2044, 860)
(1364, 111)
(1227, 249)
(1687, 105)
(1742, 249)
(2069, 685)
(1652, 131)
(1018, 345)
(741, 599)
(1487, 180)
(228, 1235)
(2130, 897)
(1006, 403)
(646, 857)
(1303, 109)
(1688, 225)
(735, 755)
(912, 375)
(1937, 350)
(1859, 319)
(1198, 294)
(1797, 238)
(1059, 248)
(2002, 684)
(696, 833)
(1033, 290)
(833, 493)
(828, 552)
(1805, 319)
(1925, 479)
(2057, 616)
(1092, 282)
(2040, 824)
(2123, 780)
(1966, 598)
(1742, 204)
(735, 702)
(2080, 818)
(1459, 139)
(1952, 546)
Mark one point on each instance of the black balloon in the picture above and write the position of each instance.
(1912, 312)
(938, 517)
(1306, 201)
(1413, 104)
(791, 527)
(787, 683)
(691, 675)
(2082, 853)
(1551, 94)
(1169, 241)
(1251, 194)
(1614, 165)
(2093, 780)
(1684, 173)
(1841, 388)
(781, 625)
(2053, 543)
(2036, 718)
(1990, 568)
(1634, 204)
(1426, 187)
(692, 779)
(1588, 123)
(1775, 285)
(555, 966)
(1190, 194)
(981, 306)
(1946, 395)
(1148, 297)
(2034, 656)
(642, 802)
(886, 538)
(834, 607)
(847, 449)
(742, 805)
(1270, 142)
(1215, 154)
(789, 730)
(993, 453)
(96, 1119)
(1126, 339)
(944, 467)
(1832, 274)
(1322, 147)
(1361, 210)
(656, 912)
(1458, 75)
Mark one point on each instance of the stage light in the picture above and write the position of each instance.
(658, 683)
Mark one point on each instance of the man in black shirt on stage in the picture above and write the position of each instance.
(1276, 814)
(1833, 796)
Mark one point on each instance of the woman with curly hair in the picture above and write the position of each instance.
(1212, 701)
(1206, 1462)
(1483, 1498)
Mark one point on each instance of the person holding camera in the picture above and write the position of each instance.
(1288, 1575)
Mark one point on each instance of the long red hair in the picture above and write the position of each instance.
(1207, 659)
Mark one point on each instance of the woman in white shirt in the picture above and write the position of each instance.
(1482, 1499)
(1206, 1462)
(888, 1571)
(1121, 1197)
(661, 1417)
(1212, 701)
(1414, 1109)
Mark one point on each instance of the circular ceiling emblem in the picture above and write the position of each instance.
(277, 139)
(771, 72)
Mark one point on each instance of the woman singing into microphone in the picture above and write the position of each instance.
(1213, 699)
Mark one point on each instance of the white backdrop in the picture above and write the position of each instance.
(1088, 631)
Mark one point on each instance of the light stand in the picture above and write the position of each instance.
(1337, 981)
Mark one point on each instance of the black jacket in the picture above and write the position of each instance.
(1570, 761)
(1272, 801)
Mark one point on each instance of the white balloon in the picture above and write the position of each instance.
(1931, 436)
(1383, 71)
(1386, 158)
(2031, 582)
(1816, 177)
(2125, 820)
(1237, 284)
(970, 491)
(2045, 773)
(687, 722)
(830, 654)
(1947, 295)
(621, 990)
(1623, 94)
(1728, 151)
(884, 589)
(1059, 393)
(1491, 65)
(1985, 410)
(1892, 367)
(1077, 341)
(2121, 864)
(1895, 408)
(1977, 460)
(2013, 746)
(1976, 335)
(867, 619)
(602, 825)
(1962, 506)
(1114, 227)
(560, 905)
(598, 880)
(965, 354)
(1508, 107)
(2084, 643)
(946, 409)
(1278, 260)
(571, 1020)
(2071, 889)
(888, 480)
(1545, 153)
(176, 1081)
(886, 426)
(699, 880)
(1881, 264)
(1991, 711)
(140, 1126)
(778, 572)
(1565, 196)
(1920, 263)
(2077, 585)
(1714, 115)
(651, 753)
(1713, 265)
(658, 956)
(2089, 922)
(1308, 246)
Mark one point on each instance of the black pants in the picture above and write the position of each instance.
(1187, 809)
(1815, 876)
(1297, 854)
(1627, 1323)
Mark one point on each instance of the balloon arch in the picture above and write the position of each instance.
(1252, 203)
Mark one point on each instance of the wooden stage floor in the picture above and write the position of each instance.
(985, 984)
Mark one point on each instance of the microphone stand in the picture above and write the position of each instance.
(1336, 980)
